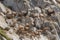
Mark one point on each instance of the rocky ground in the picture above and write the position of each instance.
(29, 19)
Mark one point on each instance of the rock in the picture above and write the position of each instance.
(48, 1)
(34, 29)
(30, 19)
(41, 3)
(49, 11)
(15, 5)
(3, 23)
(14, 36)
(38, 23)
(3, 8)
(55, 8)
(58, 1)
(43, 37)
(10, 3)
(54, 1)
(38, 9)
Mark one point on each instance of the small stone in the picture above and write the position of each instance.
(27, 25)
(39, 30)
(46, 28)
(26, 28)
(37, 23)
(21, 27)
(14, 13)
(36, 33)
(32, 34)
(9, 16)
(50, 11)
(34, 29)
(41, 15)
(24, 32)
(8, 11)
(14, 20)
(58, 1)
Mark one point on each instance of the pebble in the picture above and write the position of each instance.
(58, 1)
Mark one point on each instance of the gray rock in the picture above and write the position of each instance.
(38, 23)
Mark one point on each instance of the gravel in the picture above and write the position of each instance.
(30, 19)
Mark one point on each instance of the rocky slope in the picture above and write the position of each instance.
(29, 19)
